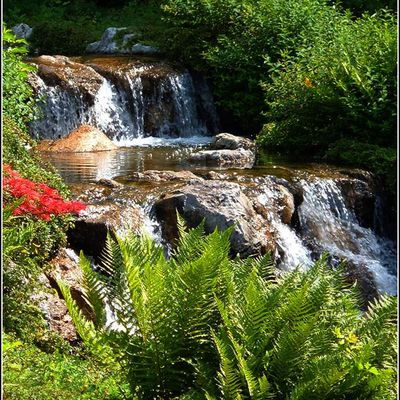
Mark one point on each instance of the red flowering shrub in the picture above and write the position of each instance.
(37, 199)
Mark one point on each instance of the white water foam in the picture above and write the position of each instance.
(325, 217)
(295, 252)
(152, 141)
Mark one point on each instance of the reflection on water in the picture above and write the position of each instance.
(86, 167)
(89, 167)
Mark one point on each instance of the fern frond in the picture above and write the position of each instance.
(94, 290)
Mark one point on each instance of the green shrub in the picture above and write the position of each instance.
(18, 101)
(31, 374)
(240, 43)
(55, 37)
(359, 7)
(200, 325)
(27, 242)
(343, 87)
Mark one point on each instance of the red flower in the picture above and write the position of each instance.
(38, 199)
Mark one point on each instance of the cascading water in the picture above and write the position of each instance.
(328, 224)
(294, 252)
(128, 102)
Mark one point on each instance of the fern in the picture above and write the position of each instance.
(201, 325)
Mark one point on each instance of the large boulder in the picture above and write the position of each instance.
(224, 158)
(359, 194)
(228, 141)
(86, 138)
(90, 230)
(22, 31)
(69, 75)
(109, 44)
(221, 204)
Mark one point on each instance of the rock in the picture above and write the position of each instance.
(143, 49)
(224, 158)
(109, 183)
(22, 31)
(70, 76)
(106, 44)
(359, 196)
(228, 141)
(56, 314)
(86, 138)
(270, 195)
(93, 224)
(364, 279)
(65, 267)
(221, 204)
(109, 45)
(286, 205)
(163, 176)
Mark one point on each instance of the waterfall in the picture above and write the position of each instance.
(327, 224)
(293, 251)
(135, 102)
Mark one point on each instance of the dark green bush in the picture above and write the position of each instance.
(342, 89)
(56, 37)
(240, 44)
(358, 7)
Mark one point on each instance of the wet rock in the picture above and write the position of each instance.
(227, 141)
(359, 196)
(22, 31)
(221, 204)
(108, 44)
(86, 138)
(364, 280)
(286, 205)
(93, 224)
(224, 158)
(109, 183)
(271, 195)
(69, 75)
(163, 176)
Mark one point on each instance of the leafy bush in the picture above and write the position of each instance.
(31, 374)
(17, 94)
(200, 325)
(359, 7)
(241, 43)
(343, 87)
(28, 242)
(68, 38)
(47, 236)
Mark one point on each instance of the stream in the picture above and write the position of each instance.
(159, 113)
